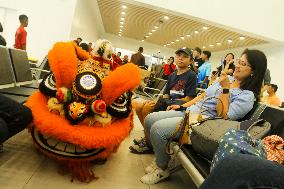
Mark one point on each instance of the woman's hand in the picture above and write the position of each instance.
(173, 107)
(224, 80)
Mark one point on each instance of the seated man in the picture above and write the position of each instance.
(272, 99)
(181, 86)
(14, 117)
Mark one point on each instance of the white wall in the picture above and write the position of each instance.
(133, 45)
(255, 17)
(87, 22)
(49, 21)
(275, 62)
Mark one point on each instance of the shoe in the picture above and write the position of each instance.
(151, 167)
(156, 176)
(138, 141)
(141, 149)
(1, 148)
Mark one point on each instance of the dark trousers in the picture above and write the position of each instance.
(245, 172)
(14, 117)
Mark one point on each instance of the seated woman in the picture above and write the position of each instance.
(229, 99)
(227, 65)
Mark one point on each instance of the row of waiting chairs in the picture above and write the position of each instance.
(16, 76)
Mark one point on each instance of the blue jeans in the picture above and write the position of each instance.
(160, 126)
(246, 172)
(14, 117)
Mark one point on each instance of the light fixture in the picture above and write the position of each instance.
(177, 40)
(150, 33)
(230, 40)
(211, 45)
(122, 19)
(203, 47)
(168, 44)
(153, 30)
(121, 22)
(120, 29)
(124, 7)
(119, 35)
(205, 28)
(123, 13)
(166, 17)
(156, 27)
(182, 38)
(142, 40)
(242, 38)
(147, 36)
(121, 26)
(165, 45)
(172, 42)
(119, 32)
(218, 43)
(196, 32)
(187, 35)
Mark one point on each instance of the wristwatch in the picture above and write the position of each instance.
(225, 91)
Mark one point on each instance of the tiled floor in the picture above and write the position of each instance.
(21, 166)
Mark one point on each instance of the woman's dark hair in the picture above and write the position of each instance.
(173, 59)
(224, 62)
(258, 63)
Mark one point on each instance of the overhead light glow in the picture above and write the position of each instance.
(119, 35)
(147, 36)
(172, 42)
(121, 22)
(211, 45)
(187, 35)
(203, 47)
(124, 7)
(196, 32)
(156, 27)
(123, 13)
(165, 45)
(218, 43)
(150, 33)
(168, 44)
(205, 28)
(177, 40)
(230, 40)
(242, 38)
(121, 26)
(142, 40)
(182, 38)
(166, 17)
(153, 30)
(122, 19)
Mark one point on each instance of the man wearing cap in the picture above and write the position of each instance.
(181, 86)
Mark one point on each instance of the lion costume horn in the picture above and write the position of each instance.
(63, 59)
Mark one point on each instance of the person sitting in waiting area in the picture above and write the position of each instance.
(204, 70)
(231, 98)
(169, 68)
(245, 172)
(181, 86)
(14, 117)
(272, 99)
(227, 65)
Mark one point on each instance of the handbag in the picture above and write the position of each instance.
(238, 142)
(163, 103)
(205, 137)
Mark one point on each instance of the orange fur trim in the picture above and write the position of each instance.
(124, 78)
(88, 137)
(63, 61)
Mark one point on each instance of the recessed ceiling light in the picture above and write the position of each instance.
(121, 26)
(242, 38)
(142, 40)
(156, 27)
(150, 33)
(168, 44)
(218, 43)
(182, 38)
(230, 40)
(203, 47)
(205, 28)
(121, 22)
(166, 17)
(147, 36)
(187, 35)
(211, 45)
(120, 29)
(119, 35)
(119, 32)
(123, 13)
(196, 32)
(124, 7)
(165, 45)
(153, 30)
(177, 40)
(172, 42)
(122, 19)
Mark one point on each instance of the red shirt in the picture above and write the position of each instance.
(20, 37)
(168, 70)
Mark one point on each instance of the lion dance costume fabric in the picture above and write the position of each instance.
(83, 109)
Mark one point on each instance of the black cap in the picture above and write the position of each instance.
(185, 50)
